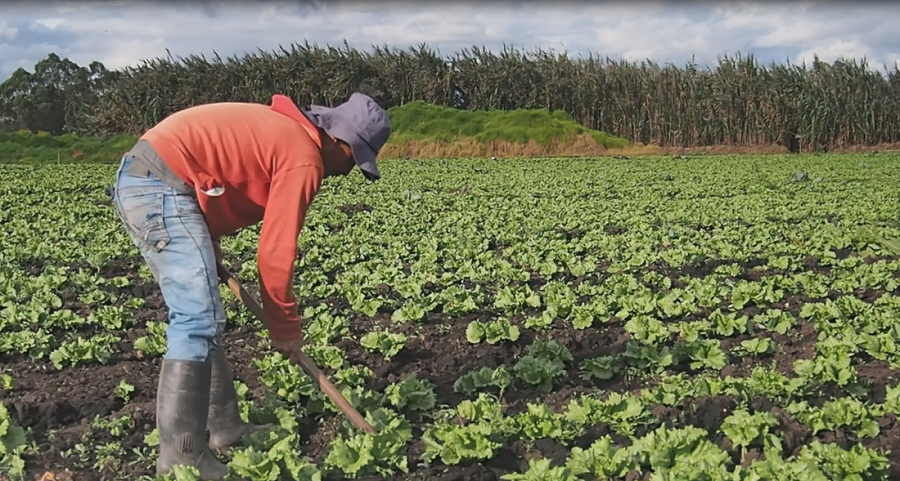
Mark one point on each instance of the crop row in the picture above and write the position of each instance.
(710, 319)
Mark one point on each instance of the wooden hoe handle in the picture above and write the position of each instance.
(303, 361)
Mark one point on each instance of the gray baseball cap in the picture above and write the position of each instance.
(360, 122)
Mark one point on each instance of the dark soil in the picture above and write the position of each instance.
(58, 406)
(351, 209)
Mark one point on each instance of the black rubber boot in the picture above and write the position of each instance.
(226, 428)
(182, 403)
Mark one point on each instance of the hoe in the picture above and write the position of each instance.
(304, 362)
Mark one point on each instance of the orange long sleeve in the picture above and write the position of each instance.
(290, 196)
(265, 160)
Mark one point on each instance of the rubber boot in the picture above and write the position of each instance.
(226, 428)
(182, 403)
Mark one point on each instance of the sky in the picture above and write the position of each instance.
(120, 33)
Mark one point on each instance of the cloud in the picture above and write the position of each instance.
(124, 32)
(7, 32)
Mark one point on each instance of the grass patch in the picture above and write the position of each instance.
(26, 147)
(422, 122)
(417, 127)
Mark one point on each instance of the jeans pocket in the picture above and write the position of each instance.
(143, 215)
(186, 205)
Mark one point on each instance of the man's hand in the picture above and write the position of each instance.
(291, 348)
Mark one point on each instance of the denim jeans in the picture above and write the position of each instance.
(170, 230)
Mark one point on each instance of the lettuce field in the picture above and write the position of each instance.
(721, 318)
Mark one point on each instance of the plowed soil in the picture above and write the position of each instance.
(59, 405)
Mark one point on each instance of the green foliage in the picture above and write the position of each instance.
(27, 148)
(59, 96)
(413, 121)
(683, 319)
(737, 101)
(433, 123)
(12, 443)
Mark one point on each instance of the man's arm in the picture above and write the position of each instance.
(290, 196)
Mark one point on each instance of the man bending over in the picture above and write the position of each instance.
(209, 171)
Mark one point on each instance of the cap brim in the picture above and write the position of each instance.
(363, 154)
(365, 158)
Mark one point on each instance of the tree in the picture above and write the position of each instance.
(58, 97)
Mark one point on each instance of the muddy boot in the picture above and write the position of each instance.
(226, 428)
(182, 402)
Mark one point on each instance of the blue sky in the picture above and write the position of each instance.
(121, 32)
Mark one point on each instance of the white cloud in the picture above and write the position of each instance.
(133, 50)
(12, 58)
(7, 32)
(50, 23)
(121, 33)
(832, 51)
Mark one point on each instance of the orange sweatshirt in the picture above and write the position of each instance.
(267, 160)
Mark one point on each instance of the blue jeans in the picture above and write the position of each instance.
(170, 230)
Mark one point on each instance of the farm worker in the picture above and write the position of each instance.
(209, 171)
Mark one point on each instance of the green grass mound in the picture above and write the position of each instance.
(419, 121)
(415, 121)
(27, 147)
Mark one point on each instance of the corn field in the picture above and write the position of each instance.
(739, 102)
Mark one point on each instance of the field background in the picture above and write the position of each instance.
(738, 105)
(419, 130)
(581, 309)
